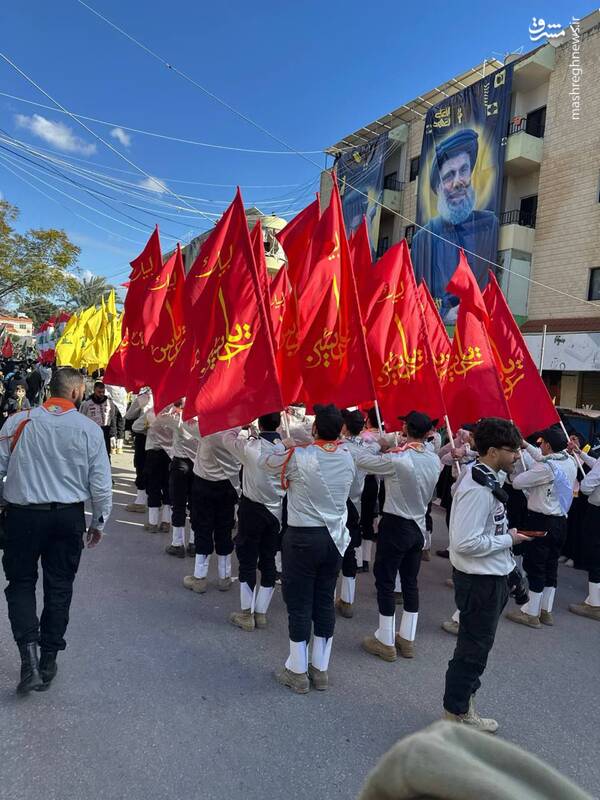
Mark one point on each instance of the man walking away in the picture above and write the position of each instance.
(54, 460)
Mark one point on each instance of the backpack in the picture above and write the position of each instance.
(562, 487)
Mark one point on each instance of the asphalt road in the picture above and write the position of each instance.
(158, 696)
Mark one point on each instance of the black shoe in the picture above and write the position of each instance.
(48, 669)
(443, 553)
(30, 668)
(177, 550)
(191, 550)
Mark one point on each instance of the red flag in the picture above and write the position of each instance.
(399, 349)
(438, 335)
(8, 350)
(146, 291)
(472, 388)
(530, 405)
(296, 240)
(360, 252)
(333, 352)
(260, 260)
(279, 292)
(234, 378)
(464, 285)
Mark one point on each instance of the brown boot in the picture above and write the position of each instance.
(164, 527)
(318, 678)
(373, 646)
(177, 550)
(450, 627)
(585, 610)
(426, 555)
(151, 528)
(344, 609)
(473, 719)
(198, 585)
(405, 648)
(260, 620)
(297, 682)
(546, 617)
(224, 584)
(524, 619)
(136, 508)
(243, 619)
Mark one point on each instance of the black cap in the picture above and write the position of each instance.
(419, 423)
(463, 141)
(469, 426)
(555, 437)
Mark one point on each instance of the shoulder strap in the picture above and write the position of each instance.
(19, 430)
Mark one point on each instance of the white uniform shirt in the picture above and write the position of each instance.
(258, 485)
(410, 478)
(359, 444)
(590, 485)
(60, 457)
(538, 480)
(214, 462)
(185, 443)
(119, 397)
(319, 479)
(159, 435)
(100, 413)
(479, 540)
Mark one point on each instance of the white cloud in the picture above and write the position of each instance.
(55, 133)
(87, 275)
(121, 136)
(153, 185)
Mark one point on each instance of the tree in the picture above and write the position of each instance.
(89, 292)
(34, 265)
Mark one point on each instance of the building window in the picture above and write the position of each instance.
(414, 168)
(384, 244)
(536, 122)
(409, 232)
(594, 290)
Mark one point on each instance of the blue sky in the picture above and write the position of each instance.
(309, 72)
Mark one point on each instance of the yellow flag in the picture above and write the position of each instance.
(65, 347)
(111, 305)
(96, 354)
(80, 335)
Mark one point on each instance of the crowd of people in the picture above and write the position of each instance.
(302, 498)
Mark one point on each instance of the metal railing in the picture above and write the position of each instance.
(518, 217)
(519, 126)
(393, 183)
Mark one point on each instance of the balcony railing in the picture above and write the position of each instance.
(536, 127)
(518, 217)
(393, 184)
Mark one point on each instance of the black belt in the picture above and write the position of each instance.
(45, 506)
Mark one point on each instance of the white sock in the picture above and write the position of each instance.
(593, 598)
(153, 515)
(119, 444)
(533, 605)
(246, 596)
(224, 566)
(398, 586)
(348, 589)
(298, 659)
(548, 598)
(426, 541)
(201, 566)
(278, 561)
(408, 625)
(456, 616)
(141, 497)
(166, 514)
(386, 632)
(367, 547)
(263, 599)
(358, 555)
(178, 539)
(320, 653)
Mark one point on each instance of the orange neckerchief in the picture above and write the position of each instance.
(417, 446)
(58, 402)
(324, 444)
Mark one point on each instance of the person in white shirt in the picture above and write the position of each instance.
(118, 394)
(101, 410)
(318, 479)
(590, 486)
(159, 441)
(410, 474)
(53, 459)
(548, 482)
(480, 552)
(140, 404)
(259, 520)
(181, 478)
(215, 493)
(353, 425)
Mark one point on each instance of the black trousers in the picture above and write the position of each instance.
(311, 564)
(156, 470)
(213, 516)
(349, 565)
(106, 434)
(139, 459)
(368, 506)
(592, 542)
(540, 557)
(480, 600)
(120, 420)
(181, 478)
(55, 538)
(256, 543)
(399, 548)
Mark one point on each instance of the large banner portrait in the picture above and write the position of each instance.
(360, 179)
(460, 184)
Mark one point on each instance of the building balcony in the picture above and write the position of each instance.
(517, 230)
(392, 193)
(523, 150)
(535, 70)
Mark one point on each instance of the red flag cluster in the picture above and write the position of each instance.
(331, 327)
